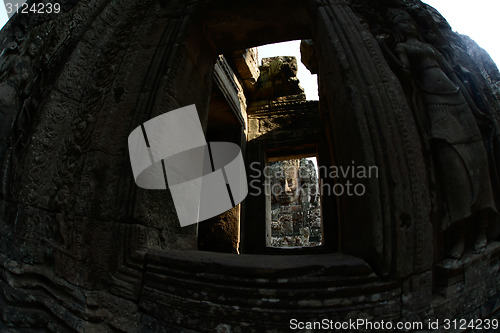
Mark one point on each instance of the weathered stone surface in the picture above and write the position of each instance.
(221, 233)
(278, 78)
(272, 284)
(246, 62)
(308, 55)
(295, 203)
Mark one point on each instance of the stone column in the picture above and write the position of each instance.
(370, 124)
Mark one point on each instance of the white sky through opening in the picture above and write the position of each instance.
(478, 20)
(307, 80)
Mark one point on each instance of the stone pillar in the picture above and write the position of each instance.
(370, 124)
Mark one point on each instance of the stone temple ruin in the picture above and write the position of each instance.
(295, 204)
(82, 248)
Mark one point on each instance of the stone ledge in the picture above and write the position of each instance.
(260, 265)
(196, 289)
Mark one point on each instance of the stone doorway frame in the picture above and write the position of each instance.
(362, 105)
(366, 120)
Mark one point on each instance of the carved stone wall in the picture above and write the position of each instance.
(83, 249)
(295, 203)
(284, 126)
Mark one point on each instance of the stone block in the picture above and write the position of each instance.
(246, 62)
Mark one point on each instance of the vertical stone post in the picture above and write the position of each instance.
(370, 125)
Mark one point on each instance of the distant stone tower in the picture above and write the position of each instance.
(295, 204)
(84, 249)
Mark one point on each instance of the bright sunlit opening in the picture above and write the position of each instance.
(307, 80)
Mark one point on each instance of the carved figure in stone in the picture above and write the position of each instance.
(285, 182)
(15, 110)
(295, 210)
(16, 73)
(451, 131)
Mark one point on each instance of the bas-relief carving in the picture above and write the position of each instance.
(449, 131)
(295, 208)
(365, 99)
(16, 109)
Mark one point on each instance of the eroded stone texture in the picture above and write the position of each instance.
(221, 233)
(308, 55)
(295, 203)
(246, 62)
(278, 78)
